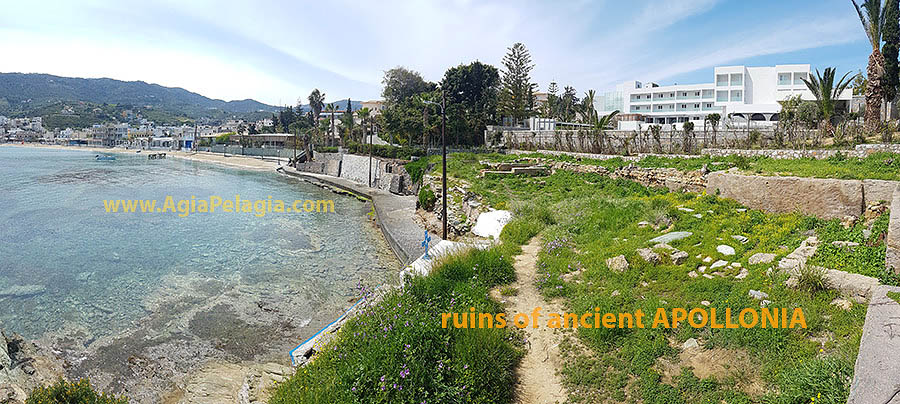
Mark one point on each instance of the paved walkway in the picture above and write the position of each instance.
(394, 213)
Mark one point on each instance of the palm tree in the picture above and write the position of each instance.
(332, 110)
(713, 120)
(827, 91)
(587, 107)
(316, 104)
(363, 115)
(601, 124)
(871, 15)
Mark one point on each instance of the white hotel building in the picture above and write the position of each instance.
(746, 93)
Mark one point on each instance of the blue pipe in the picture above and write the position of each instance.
(291, 353)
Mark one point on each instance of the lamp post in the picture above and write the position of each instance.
(443, 165)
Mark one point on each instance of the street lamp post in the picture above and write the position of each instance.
(443, 164)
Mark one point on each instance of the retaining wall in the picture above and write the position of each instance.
(387, 175)
(860, 151)
(826, 198)
(892, 242)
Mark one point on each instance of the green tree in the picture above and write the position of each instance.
(550, 107)
(600, 126)
(517, 91)
(859, 84)
(316, 104)
(890, 34)
(871, 16)
(588, 114)
(401, 84)
(568, 104)
(713, 120)
(826, 92)
(471, 100)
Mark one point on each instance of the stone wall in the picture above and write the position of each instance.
(387, 175)
(826, 198)
(860, 151)
(892, 242)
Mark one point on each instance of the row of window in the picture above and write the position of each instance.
(693, 94)
(672, 107)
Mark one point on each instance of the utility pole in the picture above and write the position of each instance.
(444, 162)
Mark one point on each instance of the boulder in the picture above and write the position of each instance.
(718, 264)
(679, 257)
(648, 255)
(761, 258)
(825, 198)
(758, 295)
(670, 237)
(725, 249)
(691, 343)
(617, 263)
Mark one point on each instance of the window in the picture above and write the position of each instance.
(798, 78)
(737, 79)
(784, 79)
(696, 94)
(721, 80)
(721, 96)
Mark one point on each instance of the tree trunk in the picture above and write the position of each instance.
(874, 91)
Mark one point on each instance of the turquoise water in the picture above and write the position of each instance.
(66, 264)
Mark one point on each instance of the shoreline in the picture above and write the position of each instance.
(213, 370)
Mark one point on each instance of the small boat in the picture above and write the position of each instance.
(105, 158)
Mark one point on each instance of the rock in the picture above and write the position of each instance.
(707, 260)
(22, 291)
(866, 233)
(693, 274)
(663, 246)
(615, 293)
(848, 221)
(735, 265)
(877, 369)
(707, 276)
(740, 210)
(842, 303)
(743, 274)
(678, 257)
(702, 268)
(718, 264)
(691, 343)
(697, 215)
(719, 274)
(761, 258)
(5, 361)
(670, 237)
(758, 295)
(490, 224)
(845, 244)
(741, 239)
(648, 255)
(643, 224)
(765, 303)
(705, 303)
(683, 209)
(725, 249)
(617, 263)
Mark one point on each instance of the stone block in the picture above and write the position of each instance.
(825, 198)
(876, 378)
(892, 241)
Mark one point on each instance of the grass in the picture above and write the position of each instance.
(397, 351)
(585, 219)
(894, 295)
(884, 166)
(63, 392)
(865, 259)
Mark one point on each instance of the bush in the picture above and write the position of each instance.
(427, 198)
(386, 151)
(398, 352)
(63, 392)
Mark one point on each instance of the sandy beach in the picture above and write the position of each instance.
(245, 162)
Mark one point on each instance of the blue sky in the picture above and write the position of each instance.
(278, 51)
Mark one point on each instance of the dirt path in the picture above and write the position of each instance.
(538, 381)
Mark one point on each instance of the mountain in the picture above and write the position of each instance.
(22, 94)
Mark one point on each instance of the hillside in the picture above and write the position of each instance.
(32, 94)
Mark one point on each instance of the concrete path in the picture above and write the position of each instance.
(876, 379)
(394, 214)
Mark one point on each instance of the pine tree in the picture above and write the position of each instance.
(890, 34)
(517, 90)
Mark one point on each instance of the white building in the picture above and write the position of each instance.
(739, 92)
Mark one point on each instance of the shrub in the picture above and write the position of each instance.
(63, 392)
(386, 151)
(827, 380)
(812, 278)
(397, 351)
(427, 198)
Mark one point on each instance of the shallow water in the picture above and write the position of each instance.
(67, 264)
